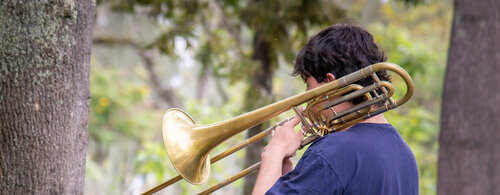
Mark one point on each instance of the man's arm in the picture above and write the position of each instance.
(283, 145)
(269, 172)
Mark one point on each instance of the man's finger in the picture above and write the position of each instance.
(294, 122)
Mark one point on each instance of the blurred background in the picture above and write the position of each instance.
(218, 59)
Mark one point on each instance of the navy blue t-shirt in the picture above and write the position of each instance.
(368, 158)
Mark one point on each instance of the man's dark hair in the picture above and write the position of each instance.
(339, 49)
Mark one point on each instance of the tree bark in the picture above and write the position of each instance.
(44, 95)
(469, 154)
(258, 95)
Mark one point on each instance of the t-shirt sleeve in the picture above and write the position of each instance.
(312, 175)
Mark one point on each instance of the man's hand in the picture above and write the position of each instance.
(285, 141)
(275, 158)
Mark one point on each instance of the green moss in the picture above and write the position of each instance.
(39, 39)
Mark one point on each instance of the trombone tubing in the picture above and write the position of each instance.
(252, 168)
(239, 175)
(222, 155)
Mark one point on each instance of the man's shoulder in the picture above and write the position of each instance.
(337, 139)
(333, 144)
(357, 139)
(353, 134)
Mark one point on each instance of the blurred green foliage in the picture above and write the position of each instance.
(421, 50)
(114, 102)
(119, 113)
(125, 146)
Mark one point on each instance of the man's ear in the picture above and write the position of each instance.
(329, 77)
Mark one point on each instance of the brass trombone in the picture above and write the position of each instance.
(188, 145)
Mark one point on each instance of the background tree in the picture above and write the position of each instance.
(469, 154)
(44, 95)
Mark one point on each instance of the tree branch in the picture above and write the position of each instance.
(164, 92)
(223, 22)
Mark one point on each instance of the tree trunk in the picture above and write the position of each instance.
(469, 154)
(258, 95)
(44, 95)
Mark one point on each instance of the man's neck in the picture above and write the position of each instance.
(376, 119)
(380, 119)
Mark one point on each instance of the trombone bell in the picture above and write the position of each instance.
(183, 147)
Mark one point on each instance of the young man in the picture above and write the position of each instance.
(367, 158)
